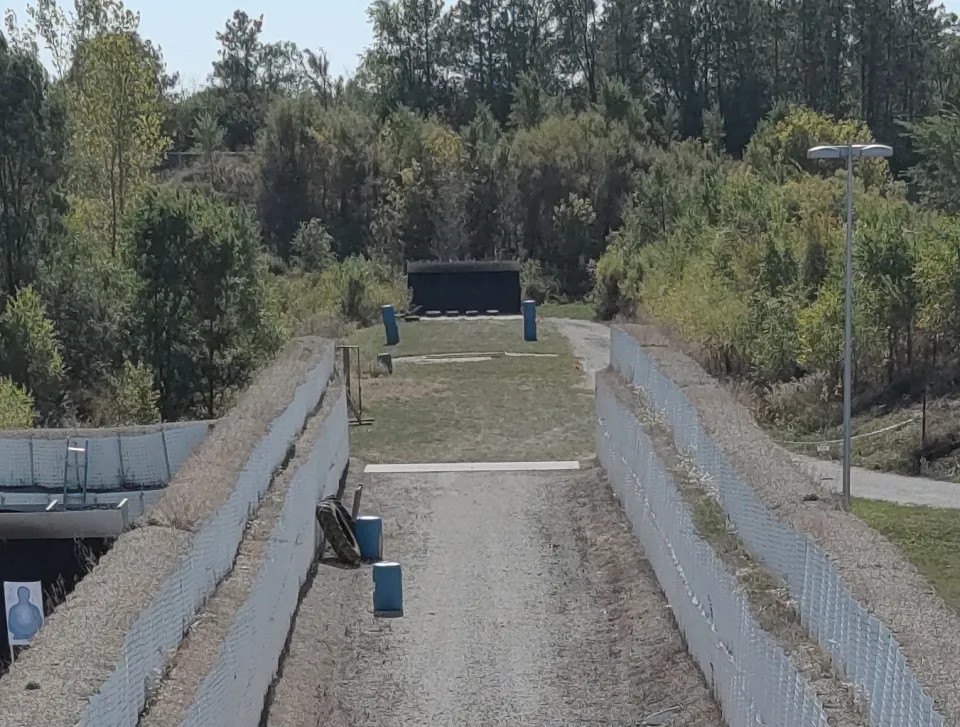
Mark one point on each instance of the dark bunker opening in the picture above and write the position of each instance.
(465, 286)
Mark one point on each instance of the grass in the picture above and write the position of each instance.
(928, 536)
(506, 408)
(580, 309)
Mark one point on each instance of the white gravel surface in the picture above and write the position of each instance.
(526, 602)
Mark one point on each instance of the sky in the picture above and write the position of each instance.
(186, 29)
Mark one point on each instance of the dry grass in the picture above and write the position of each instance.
(205, 481)
(767, 597)
(200, 649)
(71, 433)
(506, 408)
(875, 571)
(82, 641)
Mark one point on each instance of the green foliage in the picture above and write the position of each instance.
(16, 406)
(32, 141)
(778, 150)
(313, 247)
(116, 126)
(89, 296)
(936, 141)
(202, 302)
(287, 155)
(129, 398)
(587, 139)
(30, 353)
(536, 283)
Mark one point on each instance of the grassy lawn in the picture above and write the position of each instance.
(506, 408)
(929, 537)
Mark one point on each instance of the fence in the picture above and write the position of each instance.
(862, 647)
(750, 675)
(159, 629)
(232, 694)
(113, 463)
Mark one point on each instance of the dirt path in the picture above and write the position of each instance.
(526, 602)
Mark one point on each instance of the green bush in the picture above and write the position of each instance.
(536, 283)
(313, 247)
(129, 398)
(30, 353)
(16, 406)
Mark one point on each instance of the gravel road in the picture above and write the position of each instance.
(590, 342)
(526, 601)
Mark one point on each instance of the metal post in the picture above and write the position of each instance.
(848, 336)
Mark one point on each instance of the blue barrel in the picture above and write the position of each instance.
(369, 532)
(390, 325)
(529, 320)
(387, 589)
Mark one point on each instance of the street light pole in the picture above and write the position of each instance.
(848, 340)
(848, 152)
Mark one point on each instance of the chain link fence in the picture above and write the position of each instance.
(113, 462)
(160, 627)
(232, 693)
(864, 650)
(750, 675)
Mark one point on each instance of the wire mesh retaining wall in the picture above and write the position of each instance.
(751, 676)
(113, 462)
(232, 694)
(159, 629)
(862, 647)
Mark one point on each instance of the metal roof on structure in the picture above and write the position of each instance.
(465, 266)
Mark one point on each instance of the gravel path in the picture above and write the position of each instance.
(591, 344)
(526, 602)
(881, 485)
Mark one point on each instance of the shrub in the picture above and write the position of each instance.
(30, 353)
(312, 247)
(129, 398)
(16, 406)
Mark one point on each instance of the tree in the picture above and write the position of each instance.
(288, 161)
(313, 247)
(117, 135)
(209, 136)
(30, 353)
(129, 398)
(937, 142)
(32, 142)
(201, 304)
(89, 295)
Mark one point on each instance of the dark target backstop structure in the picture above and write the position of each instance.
(465, 286)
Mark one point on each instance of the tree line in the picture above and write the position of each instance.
(648, 155)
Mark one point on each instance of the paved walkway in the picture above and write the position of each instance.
(591, 344)
(882, 485)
